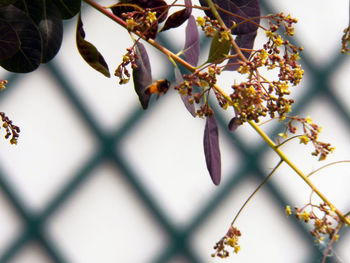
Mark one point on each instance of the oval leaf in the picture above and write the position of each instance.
(142, 75)
(219, 49)
(179, 17)
(51, 30)
(28, 56)
(89, 52)
(192, 48)
(68, 8)
(244, 9)
(212, 149)
(9, 41)
(185, 98)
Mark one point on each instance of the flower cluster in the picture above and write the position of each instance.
(2, 84)
(311, 133)
(11, 129)
(209, 26)
(258, 97)
(229, 240)
(122, 72)
(323, 220)
(345, 40)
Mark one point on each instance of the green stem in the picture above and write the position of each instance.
(256, 190)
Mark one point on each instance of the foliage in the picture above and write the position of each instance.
(31, 34)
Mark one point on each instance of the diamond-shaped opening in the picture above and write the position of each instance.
(263, 226)
(9, 221)
(340, 84)
(105, 222)
(31, 253)
(320, 25)
(53, 141)
(166, 151)
(332, 181)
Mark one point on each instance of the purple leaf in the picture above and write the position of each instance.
(89, 52)
(142, 75)
(191, 50)
(243, 41)
(212, 149)
(233, 124)
(179, 17)
(185, 98)
(243, 8)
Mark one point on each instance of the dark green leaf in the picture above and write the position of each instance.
(89, 52)
(219, 49)
(4, 3)
(28, 56)
(51, 29)
(142, 75)
(68, 8)
(212, 149)
(9, 41)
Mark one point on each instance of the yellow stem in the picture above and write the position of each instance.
(252, 124)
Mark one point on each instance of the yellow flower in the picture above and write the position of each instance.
(243, 69)
(278, 41)
(200, 21)
(308, 120)
(269, 34)
(130, 24)
(224, 35)
(288, 210)
(251, 90)
(237, 249)
(304, 139)
(151, 16)
(283, 86)
(305, 216)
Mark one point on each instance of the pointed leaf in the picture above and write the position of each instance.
(212, 149)
(185, 98)
(51, 30)
(242, 8)
(68, 8)
(142, 75)
(179, 17)
(9, 41)
(243, 41)
(192, 48)
(28, 56)
(219, 49)
(89, 52)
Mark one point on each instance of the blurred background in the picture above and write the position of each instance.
(94, 178)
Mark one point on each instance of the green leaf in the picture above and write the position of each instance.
(68, 8)
(89, 52)
(28, 56)
(9, 41)
(51, 30)
(219, 49)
